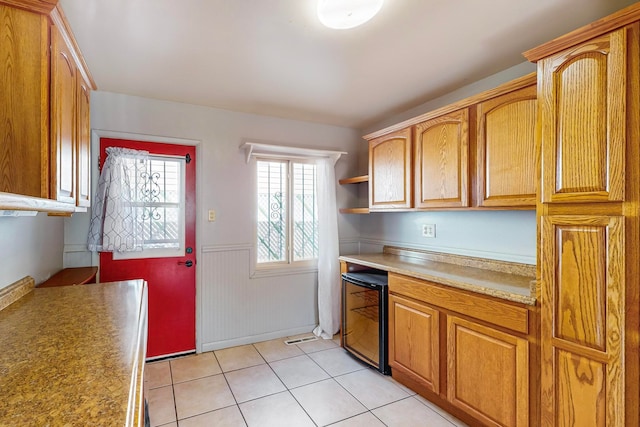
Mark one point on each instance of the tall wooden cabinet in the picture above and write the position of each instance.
(583, 91)
(589, 211)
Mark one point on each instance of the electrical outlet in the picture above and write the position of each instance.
(429, 230)
(212, 215)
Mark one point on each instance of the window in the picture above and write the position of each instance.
(158, 201)
(287, 217)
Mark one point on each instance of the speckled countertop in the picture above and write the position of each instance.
(509, 281)
(67, 355)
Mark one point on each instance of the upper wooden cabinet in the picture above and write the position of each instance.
(83, 164)
(63, 119)
(478, 152)
(24, 111)
(583, 93)
(390, 171)
(45, 86)
(442, 161)
(506, 167)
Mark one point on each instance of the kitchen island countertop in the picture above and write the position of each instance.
(72, 355)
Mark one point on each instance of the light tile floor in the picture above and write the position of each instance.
(315, 383)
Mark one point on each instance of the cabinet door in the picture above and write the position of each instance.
(390, 171)
(24, 113)
(84, 146)
(441, 161)
(63, 120)
(583, 98)
(582, 300)
(488, 373)
(506, 149)
(414, 341)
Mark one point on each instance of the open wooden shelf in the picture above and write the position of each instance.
(354, 180)
(354, 210)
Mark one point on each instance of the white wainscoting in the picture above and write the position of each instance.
(77, 256)
(237, 309)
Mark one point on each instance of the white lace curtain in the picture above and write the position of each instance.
(328, 250)
(115, 223)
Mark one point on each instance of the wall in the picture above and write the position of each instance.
(30, 246)
(236, 306)
(503, 235)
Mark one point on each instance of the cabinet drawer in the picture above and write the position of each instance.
(479, 307)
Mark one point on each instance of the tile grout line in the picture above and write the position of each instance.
(231, 391)
(173, 392)
(237, 405)
(288, 390)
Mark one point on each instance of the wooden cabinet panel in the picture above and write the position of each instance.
(583, 102)
(414, 341)
(63, 120)
(478, 306)
(390, 171)
(581, 391)
(24, 110)
(487, 373)
(83, 167)
(506, 155)
(441, 161)
(583, 292)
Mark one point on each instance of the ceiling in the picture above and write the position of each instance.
(273, 57)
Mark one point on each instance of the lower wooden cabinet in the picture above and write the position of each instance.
(475, 356)
(488, 373)
(414, 341)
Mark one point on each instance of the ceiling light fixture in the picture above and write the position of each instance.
(344, 14)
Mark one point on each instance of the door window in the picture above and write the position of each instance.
(159, 202)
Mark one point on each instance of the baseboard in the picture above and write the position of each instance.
(218, 345)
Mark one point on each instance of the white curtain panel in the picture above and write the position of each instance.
(115, 223)
(328, 264)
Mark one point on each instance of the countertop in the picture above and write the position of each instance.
(509, 281)
(69, 355)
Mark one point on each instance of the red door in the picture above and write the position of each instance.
(170, 277)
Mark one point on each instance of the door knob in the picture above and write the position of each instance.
(188, 263)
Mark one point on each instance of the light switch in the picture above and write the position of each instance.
(212, 215)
